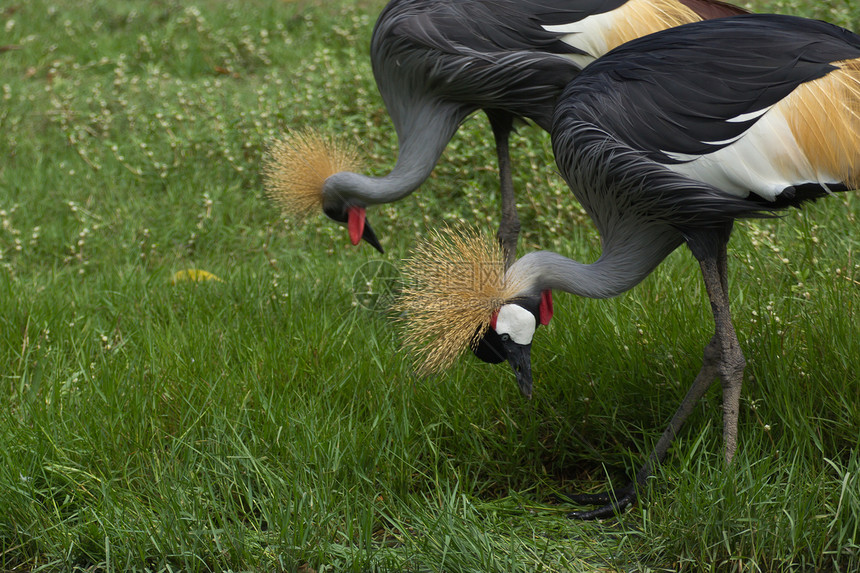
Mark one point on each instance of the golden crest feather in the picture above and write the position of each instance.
(297, 165)
(454, 281)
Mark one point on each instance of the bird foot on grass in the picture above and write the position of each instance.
(612, 503)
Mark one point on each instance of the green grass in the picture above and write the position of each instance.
(268, 422)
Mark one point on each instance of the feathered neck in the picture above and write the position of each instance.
(306, 170)
(415, 162)
(624, 263)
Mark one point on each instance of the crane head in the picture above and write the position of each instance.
(457, 294)
(297, 173)
(510, 335)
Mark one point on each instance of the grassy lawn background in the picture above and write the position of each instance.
(267, 421)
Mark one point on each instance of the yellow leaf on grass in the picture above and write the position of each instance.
(193, 275)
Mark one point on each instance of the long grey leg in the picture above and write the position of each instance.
(732, 361)
(509, 229)
(723, 358)
(618, 501)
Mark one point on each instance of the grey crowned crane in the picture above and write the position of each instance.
(436, 62)
(665, 141)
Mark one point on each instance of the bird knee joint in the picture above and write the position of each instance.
(712, 353)
(732, 367)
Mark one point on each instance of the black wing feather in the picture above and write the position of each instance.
(476, 54)
(671, 91)
(487, 26)
(674, 91)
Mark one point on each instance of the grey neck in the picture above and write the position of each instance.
(621, 267)
(421, 145)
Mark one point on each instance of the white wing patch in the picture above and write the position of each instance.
(724, 141)
(516, 322)
(597, 34)
(748, 116)
(764, 160)
(587, 35)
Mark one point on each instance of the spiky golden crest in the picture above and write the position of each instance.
(824, 116)
(297, 166)
(454, 281)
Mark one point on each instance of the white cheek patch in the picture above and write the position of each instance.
(516, 322)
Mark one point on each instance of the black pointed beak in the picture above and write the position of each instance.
(370, 237)
(519, 357)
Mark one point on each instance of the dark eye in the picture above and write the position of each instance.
(505, 337)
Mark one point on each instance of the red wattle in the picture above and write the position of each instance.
(545, 310)
(355, 217)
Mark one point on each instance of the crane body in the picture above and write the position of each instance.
(436, 62)
(667, 141)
